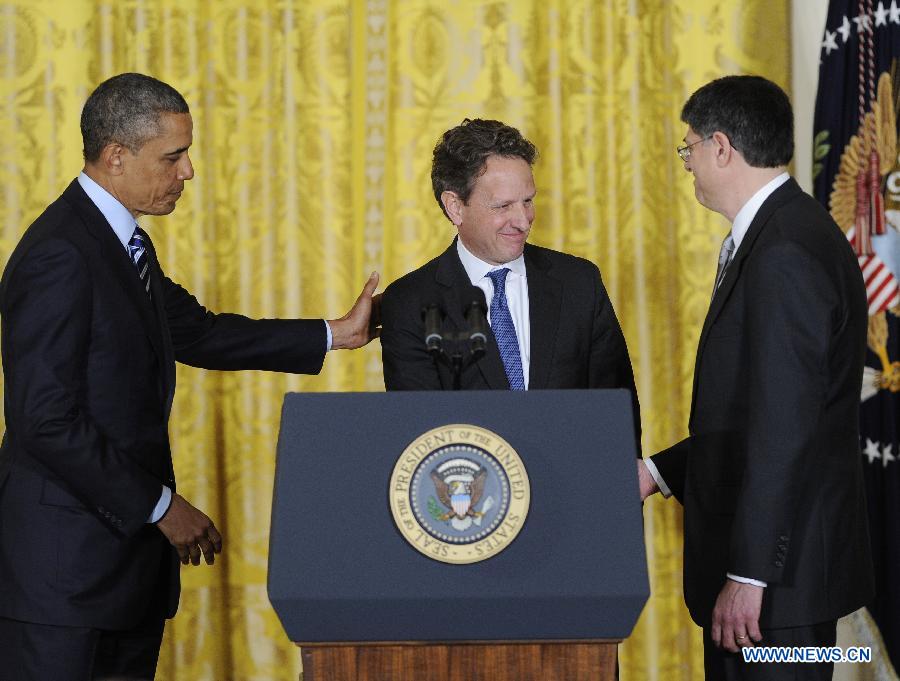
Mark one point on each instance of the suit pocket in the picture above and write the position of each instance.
(53, 494)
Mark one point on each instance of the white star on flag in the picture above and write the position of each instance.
(863, 23)
(895, 12)
(872, 451)
(886, 456)
(881, 15)
(829, 44)
(844, 29)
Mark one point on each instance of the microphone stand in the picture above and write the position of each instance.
(464, 354)
(468, 345)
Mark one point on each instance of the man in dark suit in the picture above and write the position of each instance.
(91, 527)
(552, 323)
(776, 544)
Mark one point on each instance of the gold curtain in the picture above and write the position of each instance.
(314, 123)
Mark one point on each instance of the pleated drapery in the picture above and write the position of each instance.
(314, 122)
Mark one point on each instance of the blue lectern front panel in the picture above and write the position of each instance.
(340, 570)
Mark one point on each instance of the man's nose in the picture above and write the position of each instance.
(186, 169)
(522, 216)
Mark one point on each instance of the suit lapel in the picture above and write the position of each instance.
(778, 198)
(157, 295)
(544, 296)
(452, 279)
(115, 257)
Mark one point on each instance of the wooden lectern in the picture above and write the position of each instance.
(557, 661)
(365, 604)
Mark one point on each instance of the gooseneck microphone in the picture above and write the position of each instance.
(433, 316)
(475, 312)
(457, 349)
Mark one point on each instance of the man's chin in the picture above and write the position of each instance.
(163, 209)
(513, 248)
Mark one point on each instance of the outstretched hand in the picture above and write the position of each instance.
(362, 323)
(190, 531)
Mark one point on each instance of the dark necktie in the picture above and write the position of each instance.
(138, 252)
(505, 332)
(725, 254)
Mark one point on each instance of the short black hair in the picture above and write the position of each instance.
(126, 109)
(754, 113)
(461, 154)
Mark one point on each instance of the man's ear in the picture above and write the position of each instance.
(454, 206)
(723, 150)
(112, 158)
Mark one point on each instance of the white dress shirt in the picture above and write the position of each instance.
(516, 295)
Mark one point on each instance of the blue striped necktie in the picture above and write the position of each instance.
(138, 252)
(505, 332)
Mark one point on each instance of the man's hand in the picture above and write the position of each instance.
(190, 531)
(646, 482)
(362, 323)
(735, 618)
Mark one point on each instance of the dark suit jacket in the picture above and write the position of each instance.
(89, 371)
(576, 341)
(770, 476)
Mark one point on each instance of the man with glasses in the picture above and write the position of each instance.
(776, 544)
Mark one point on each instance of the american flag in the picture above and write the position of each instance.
(838, 105)
(882, 287)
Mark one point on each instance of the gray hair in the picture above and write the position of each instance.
(126, 110)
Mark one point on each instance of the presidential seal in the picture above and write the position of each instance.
(459, 494)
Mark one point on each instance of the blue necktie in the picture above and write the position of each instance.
(138, 252)
(505, 332)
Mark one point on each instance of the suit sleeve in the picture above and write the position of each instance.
(609, 363)
(789, 317)
(407, 365)
(231, 342)
(671, 463)
(47, 312)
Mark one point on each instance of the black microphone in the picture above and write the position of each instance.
(475, 311)
(433, 316)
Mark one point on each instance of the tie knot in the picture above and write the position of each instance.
(498, 277)
(726, 250)
(136, 241)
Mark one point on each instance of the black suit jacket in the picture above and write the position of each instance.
(89, 374)
(576, 341)
(771, 474)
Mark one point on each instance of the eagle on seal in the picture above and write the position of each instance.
(459, 486)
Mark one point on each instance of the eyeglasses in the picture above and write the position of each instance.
(685, 151)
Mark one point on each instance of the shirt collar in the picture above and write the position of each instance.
(477, 269)
(749, 210)
(118, 216)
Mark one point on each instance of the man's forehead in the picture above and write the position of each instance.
(175, 131)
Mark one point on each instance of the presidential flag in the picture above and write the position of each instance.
(856, 174)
